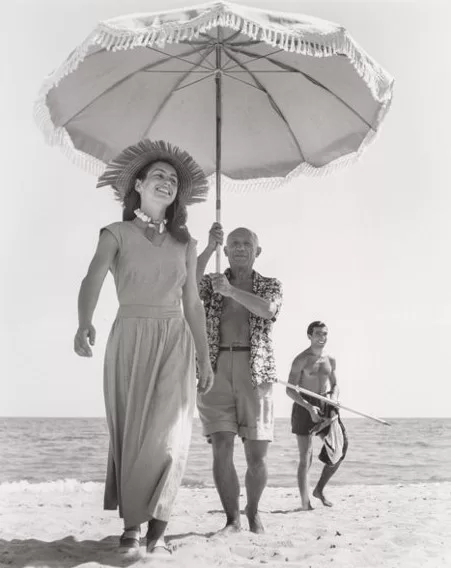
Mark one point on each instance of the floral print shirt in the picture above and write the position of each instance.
(261, 348)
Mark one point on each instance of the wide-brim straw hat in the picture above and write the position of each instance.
(121, 172)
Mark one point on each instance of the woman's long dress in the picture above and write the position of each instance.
(149, 377)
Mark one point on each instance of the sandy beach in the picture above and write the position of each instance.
(62, 524)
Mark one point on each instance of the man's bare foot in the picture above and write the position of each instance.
(255, 523)
(307, 507)
(320, 495)
(230, 528)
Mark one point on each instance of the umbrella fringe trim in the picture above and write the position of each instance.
(339, 43)
(113, 38)
(60, 137)
(270, 184)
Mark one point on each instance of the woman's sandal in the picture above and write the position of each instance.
(159, 548)
(129, 540)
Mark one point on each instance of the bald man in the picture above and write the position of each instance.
(241, 307)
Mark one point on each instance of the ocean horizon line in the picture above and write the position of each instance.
(41, 449)
(287, 417)
(72, 484)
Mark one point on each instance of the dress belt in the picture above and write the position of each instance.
(234, 348)
(144, 311)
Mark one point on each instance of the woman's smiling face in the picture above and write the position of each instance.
(160, 184)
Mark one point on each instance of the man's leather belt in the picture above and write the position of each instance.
(234, 348)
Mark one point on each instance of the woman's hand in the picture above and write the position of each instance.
(206, 377)
(84, 338)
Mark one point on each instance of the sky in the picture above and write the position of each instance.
(366, 250)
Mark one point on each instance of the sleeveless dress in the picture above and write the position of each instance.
(149, 377)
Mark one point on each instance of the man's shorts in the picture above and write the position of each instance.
(233, 404)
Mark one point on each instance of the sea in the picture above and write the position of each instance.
(55, 450)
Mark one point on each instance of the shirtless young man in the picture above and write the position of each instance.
(241, 307)
(315, 371)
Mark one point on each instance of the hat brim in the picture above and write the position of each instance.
(122, 171)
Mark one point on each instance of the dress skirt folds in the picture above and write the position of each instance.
(149, 379)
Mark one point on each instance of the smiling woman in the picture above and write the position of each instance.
(157, 196)
(154, 201)
(149, 378)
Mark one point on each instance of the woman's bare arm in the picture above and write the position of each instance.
(88, 296)
(195, 316)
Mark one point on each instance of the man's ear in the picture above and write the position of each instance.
(138, 184)
(258, 251)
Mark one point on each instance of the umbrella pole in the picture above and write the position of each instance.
(218, 83)
(301, 390)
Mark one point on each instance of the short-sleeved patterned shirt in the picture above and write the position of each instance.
(262, 362)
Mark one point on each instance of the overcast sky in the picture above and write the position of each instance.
(365, 250)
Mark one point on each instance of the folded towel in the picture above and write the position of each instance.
(335, 441)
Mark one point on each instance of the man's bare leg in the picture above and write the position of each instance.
(226, 479)
(256, 478)
(305, 446)
(326, 474)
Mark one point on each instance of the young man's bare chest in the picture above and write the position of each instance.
(316, 373)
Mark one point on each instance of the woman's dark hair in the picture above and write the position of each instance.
(176, 213)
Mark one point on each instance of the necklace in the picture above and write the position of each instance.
(159, 226)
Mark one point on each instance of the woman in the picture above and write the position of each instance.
(149, 376)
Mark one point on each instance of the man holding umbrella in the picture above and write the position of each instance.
(240, 306)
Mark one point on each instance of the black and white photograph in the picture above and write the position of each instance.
(225, 287)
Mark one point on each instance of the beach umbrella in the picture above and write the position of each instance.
(257, 97)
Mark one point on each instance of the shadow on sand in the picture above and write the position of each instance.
(70, 553)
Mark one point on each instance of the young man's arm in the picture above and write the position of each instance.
(334, 390)
(297, 367)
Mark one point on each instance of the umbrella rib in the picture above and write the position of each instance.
(205, 34)
(178, 71)
(249, 42)
(194, 42)
(180, 57)
(231, 38)
(169, 95)
(211, 39)
(214, 39)
(146, 68)
(260, 71)
(195, 82)
(272, 102)
(241, 81)
(314, 81)
(253, 59)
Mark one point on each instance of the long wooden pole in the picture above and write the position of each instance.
(218, 82)
(332, 402)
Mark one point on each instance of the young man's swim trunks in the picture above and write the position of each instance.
(302, 425)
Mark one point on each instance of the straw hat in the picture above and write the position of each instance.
(121, 172)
